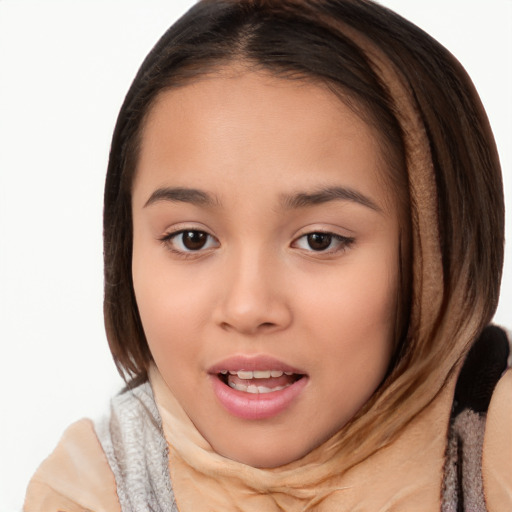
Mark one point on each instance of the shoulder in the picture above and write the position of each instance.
(75, 477)
(497, 449)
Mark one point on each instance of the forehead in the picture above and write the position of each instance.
(258, 97)
(228, 125)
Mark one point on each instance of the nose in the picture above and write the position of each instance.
(253, 298)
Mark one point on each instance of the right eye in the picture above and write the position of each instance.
(190, 240)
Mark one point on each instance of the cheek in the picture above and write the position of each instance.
(353, 315)
(170, 303)
(362, 296)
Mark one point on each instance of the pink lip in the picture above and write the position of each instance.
(255, 406)
(253, 363)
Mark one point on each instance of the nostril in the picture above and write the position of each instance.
(264, 326)
(225, 326)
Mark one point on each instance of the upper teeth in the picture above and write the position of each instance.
(257, 374)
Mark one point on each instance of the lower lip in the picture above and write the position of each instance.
(257, 406)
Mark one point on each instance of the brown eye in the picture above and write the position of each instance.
(323, 242)
(189, 240)
(319, 241)
(194, 240)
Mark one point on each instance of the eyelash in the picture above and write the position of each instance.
(342, 242)
(169, 238)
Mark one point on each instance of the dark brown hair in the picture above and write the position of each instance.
(297, 39)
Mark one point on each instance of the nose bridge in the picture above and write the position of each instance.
(253, 299)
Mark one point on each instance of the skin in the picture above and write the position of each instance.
(257, 287)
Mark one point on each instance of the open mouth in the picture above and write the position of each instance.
(258, 387)
(258, 381)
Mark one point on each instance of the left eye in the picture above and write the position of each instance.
(322, 242)
(190, 240)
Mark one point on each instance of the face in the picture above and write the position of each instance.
(265, 261)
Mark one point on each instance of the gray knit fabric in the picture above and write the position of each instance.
(463, 484)
(137, 452)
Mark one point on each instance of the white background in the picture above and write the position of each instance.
(64, 69)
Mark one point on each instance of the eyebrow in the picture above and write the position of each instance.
(183, 195)
(288, 201)
(324, 195)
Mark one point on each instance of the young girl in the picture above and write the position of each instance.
(303, 234)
